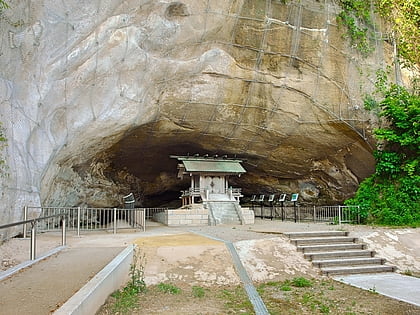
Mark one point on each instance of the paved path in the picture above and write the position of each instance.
(43, 287)
(394, 285)
(54, 280)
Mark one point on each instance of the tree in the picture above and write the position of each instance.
(392, 194)
(404, 19)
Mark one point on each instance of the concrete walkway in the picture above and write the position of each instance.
(393, 285)
(44, 286)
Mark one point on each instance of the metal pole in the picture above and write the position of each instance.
(63, 234)
(282, 211)
(25, 217)
(115, 220)
(78, 221)
(339, 215)
(33, 240)
(314, 214)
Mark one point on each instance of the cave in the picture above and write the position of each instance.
(100, 103)
(139, 162)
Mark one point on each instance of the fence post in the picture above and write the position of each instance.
(339, 214)
(33, 240)
(25, 217)
(63, 231)
(78, 221)
(314, 213)
(115, 220)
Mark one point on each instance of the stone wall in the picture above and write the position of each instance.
(195, 216)
(183, 217)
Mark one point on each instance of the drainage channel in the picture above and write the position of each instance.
(253, 296)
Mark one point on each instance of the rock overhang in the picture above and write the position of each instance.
(273, 83)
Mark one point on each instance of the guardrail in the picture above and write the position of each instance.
(89, 219)
(34, 223)
(332, 214)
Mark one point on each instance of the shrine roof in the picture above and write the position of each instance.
(211, 165)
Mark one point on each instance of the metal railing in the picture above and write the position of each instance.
(150, 212)
(34, 223)
(90, 219)
(332, 214)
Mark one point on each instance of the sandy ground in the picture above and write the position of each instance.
(195, 255)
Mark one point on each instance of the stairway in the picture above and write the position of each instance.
(224, 212)
(335, 253)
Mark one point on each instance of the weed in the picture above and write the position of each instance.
(285, 287)
(126, 299)
(236, 300)
(408, 273)
(301, 282)
(324, 309)
(136, 273)
(168, 288)
(198, 292)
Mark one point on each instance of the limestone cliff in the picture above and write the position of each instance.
(96, 94)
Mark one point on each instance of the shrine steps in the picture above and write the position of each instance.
(223, 212)
(336, 253)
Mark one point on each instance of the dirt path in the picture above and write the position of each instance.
(43, 287)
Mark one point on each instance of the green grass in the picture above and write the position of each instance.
(168, 288)
(301, 282)
(198, 292)
(125, 300)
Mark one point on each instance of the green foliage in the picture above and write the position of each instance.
(136, 273)
(198, 291)
(355, 16)
(3, 5)
(404, 19)
(126, 299)
(391, 195)
(168, 288)
(301, 282)
(237, 300)
(389, 202)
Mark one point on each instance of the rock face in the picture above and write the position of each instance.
(95, 96)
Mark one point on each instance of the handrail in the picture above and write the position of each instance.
(30, 221)
(33, 230)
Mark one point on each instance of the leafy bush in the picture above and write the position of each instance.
(391, 195)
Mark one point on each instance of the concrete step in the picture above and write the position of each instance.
(357, 269)
(323, 240)
(338, 254)
(295, 235)
(330, 247)
(348, 262)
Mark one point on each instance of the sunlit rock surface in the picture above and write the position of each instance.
(95, 96)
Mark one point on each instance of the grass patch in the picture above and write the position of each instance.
(198, 292)
(301, 282)
(168, 288)
(236, 300)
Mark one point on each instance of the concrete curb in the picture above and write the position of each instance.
(28, 263)
(93, 295)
